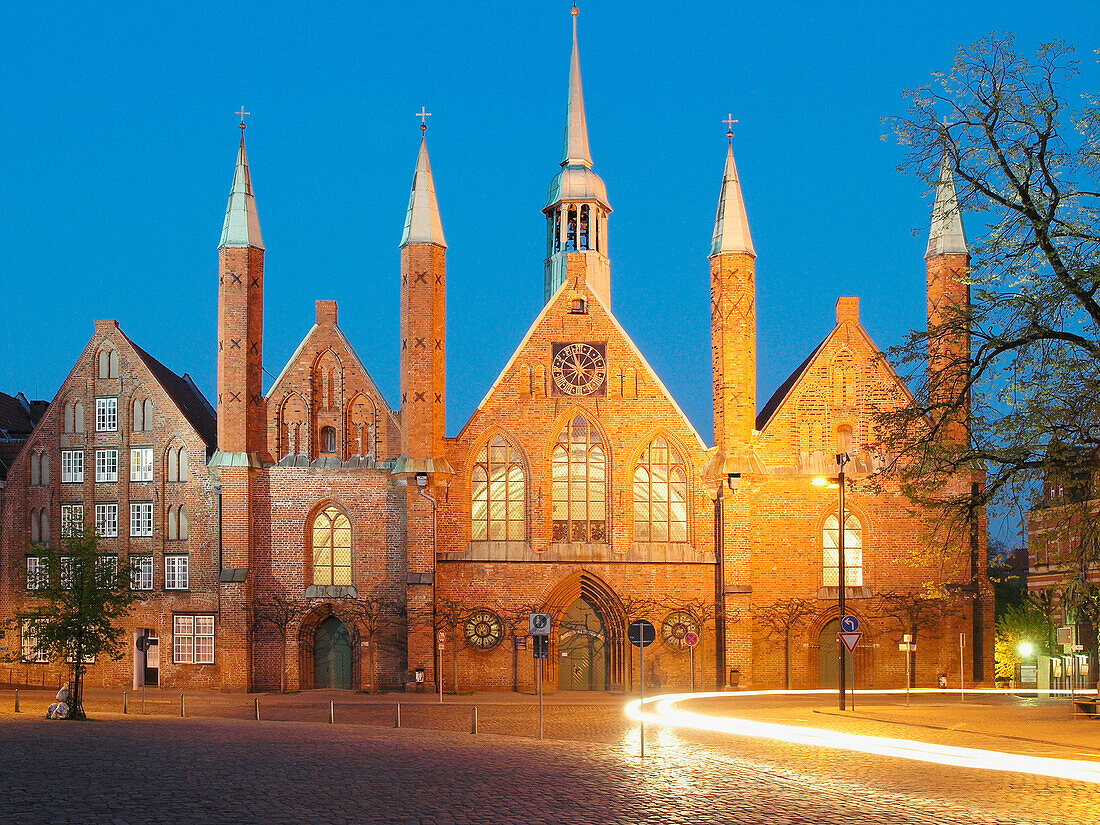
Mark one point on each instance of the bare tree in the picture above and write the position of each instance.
(919, 612)
(781, 619)
(699, 611)
(371, 613)
(280, 613)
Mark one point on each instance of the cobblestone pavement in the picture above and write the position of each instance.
(127, 771)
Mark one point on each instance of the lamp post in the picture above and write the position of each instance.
(841, 460)
(734, 482)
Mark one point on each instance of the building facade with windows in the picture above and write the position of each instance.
(323, 538)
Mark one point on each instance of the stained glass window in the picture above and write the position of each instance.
(331, 547)
(579, 467)
(498, 491)
(660, 494)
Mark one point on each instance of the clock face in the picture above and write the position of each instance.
(483, 629)
(675, 629)
(579, 369)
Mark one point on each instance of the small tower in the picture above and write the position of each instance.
(240, 321)
(733, 326)
(576, 206)
(947, 262)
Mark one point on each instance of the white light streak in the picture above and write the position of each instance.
(663, 710)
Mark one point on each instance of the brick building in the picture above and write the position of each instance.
(330, 536)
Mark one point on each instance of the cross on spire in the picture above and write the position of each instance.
(729, 121)
(242, 113)
(423, 114)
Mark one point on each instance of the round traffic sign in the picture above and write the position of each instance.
(691, 638)
(641, 633)
(849, 624)
(441, 636)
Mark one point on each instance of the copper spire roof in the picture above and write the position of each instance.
(422, 222)
(242, 222)
(946, 236)
(731, 225)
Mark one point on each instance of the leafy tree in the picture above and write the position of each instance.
(1023, 145)
(1020, 624)
(81, 596)
(781, 619)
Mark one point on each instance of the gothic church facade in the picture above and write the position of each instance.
(316, 536)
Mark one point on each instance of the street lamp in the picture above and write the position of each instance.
(733, 480)
(841, 460)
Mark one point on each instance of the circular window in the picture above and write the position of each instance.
(483, 629)
(676, 628)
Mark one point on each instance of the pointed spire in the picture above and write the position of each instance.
(422, 223)
(946, 236)
(731, 225)
(242, 221)
(576, 127)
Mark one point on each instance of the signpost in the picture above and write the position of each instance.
(907, 647)
(539, 625)
(641, 634)
(691, 639)
(849, 636)
(962, 673)
(440, 643)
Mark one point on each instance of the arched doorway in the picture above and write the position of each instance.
(332, 655)
(582, 643)
(828, 658)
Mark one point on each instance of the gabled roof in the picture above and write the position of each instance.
(770, 409)
(17, 419)
(185, 395)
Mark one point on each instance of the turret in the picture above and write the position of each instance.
(576, 208)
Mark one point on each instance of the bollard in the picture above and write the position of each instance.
(143, 700)
(125, 702)
(473, 719)
(182, 707)
(397, 715)
(331, 712)
(257, 701)
(17, 700)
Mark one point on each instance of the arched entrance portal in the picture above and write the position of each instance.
(332, 655)
(582, 643)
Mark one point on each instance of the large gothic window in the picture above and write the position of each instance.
(331, 547)
(660, 494)
(498, 493)
(580, 484)
(853, 552)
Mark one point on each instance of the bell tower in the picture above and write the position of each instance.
(576, 208)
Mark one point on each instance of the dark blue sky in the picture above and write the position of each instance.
(119, 140)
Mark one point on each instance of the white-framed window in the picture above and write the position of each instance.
(29, 640)
(106, 564)
(141, 464)
(106, 465)
(141, 572)
(106, 520)
(72, 466)
(141, 518)
(193, 639)
(176, 572)
(106, 415)
(66, 572)
(72, 519)
(38, 572)
(853, 552)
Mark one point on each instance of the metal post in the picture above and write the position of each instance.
(125, 702)
(473, 719)
(540, 698)
(17, 700)
(691, 655)
(908, 679)
(720, 588)
(183, 706)
(143, 700)
(397, 715)
(439, 669)
(331, 712)
(256, 702)
(641, 706)
(962, 680)
(841, 460)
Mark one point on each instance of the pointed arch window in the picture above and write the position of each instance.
(74, 417)
(853, 552)
(579, 484)
(498, 493)
(660, 494)
(583, 234)
(108, 363)
(331, 534)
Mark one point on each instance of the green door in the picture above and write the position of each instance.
(332, 655)
(828, 652)
(582, 642)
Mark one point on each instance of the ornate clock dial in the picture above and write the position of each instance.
(483, 629)
(579, 369)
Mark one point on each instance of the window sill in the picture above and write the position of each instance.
(833, 593)
(331, 591)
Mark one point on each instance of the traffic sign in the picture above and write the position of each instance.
(907, 647)
(540, 624)
(641, 633)
(441, 636)
(691, 638)
(849, 624)
(850, 640)
(541, 648)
